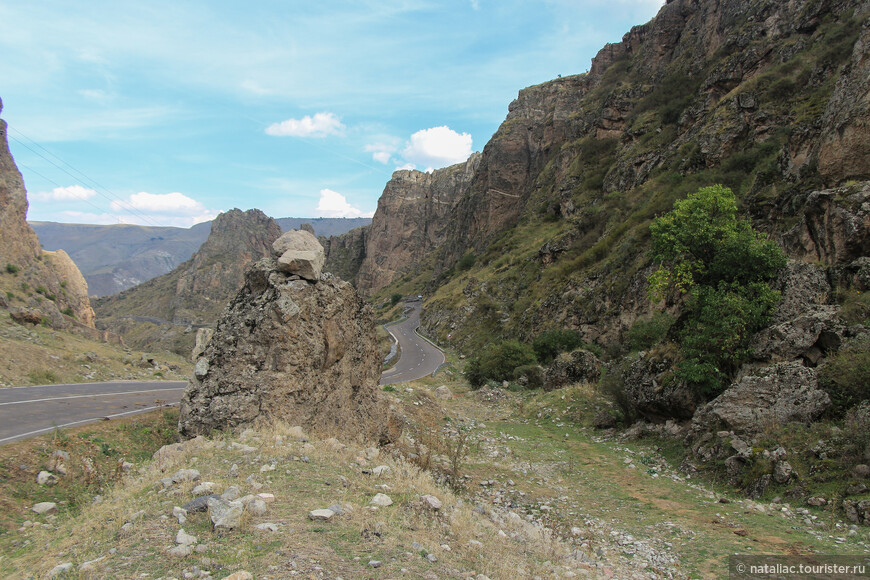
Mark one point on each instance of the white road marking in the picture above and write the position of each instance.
(87, 396)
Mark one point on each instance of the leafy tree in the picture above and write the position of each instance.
(395, 299)
(704, 250)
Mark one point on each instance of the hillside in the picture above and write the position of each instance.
(119, 256)
(552, 229)
(161, 313)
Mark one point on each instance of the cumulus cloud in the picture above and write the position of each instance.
(162, 208)
(383, 152)
(70, 193)
(333, 204)
(320, 125)
(437, 147)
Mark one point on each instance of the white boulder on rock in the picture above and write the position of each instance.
(298, 252)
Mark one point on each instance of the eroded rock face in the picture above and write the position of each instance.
(294, 350)
(778, 394)
(652, 390)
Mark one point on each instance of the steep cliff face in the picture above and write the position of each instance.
(412, 219)
(48, 284)
(345, 253)
(156, 314)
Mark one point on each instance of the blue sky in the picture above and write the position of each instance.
(166, 113)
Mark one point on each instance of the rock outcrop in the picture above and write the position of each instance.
(290, 349)
(653, 391)
(775, 395)
(47, 283)
(577, 366)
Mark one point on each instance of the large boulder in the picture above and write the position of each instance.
(577, 366)
(652, 390)
(298, 252)
(774, 395)
(293, 350)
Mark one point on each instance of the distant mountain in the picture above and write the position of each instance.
(119, 256)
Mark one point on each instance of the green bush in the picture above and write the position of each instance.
(846, 375)
(498, 362)
(395, 298)
(466, 262)
(69, 312)
(12, 269)
(550, 344)
(612, 387)
(646, 332)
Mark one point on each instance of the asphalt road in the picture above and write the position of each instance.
(417, 356)
(29, 411)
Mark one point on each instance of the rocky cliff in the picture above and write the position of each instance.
(768, 98)
(157, 314)
(293, 345)
(38, 285)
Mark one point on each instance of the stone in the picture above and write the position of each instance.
(431, 502)
(267, 527)
(180, 551)
(655, 398)
(45, 508)
(380, 470)
(60, 569)
(179, 514)
(200, 370)
(779, 394)
(225, 514)
(318, 368)
(817, 501)
(444, 393)
(200, 504)
(204, 488)
(577, 366)
(46, 478)
(320, 514)
(861, 470)
(257, 507)
(183, 475)
(857, 511)
(203, 337)
(240, 575)
(381, 500)
(266, 497)
(782, 472)
(184, 539)
(298, 252)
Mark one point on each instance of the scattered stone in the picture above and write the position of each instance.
(184, 539)
(266, 497)
(185, 475)
(204, 488)
(267, 527)
(431, 502)
(200, 504)
(372, 453)
(240, 575)
(180, 514)
(375, 563)
(257, 507)
(321, 514)
(380, 470)
(45, 508)
(225, 514)
(60, 569)
(432, 558)
(337, 509)
(232, 493)
(444, 393)
(782, 472)
(46, 478)
(200, 370)
(90, 565)
(817, 501)
(861, 470)
(381, 500)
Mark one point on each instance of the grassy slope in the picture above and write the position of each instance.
(519, 461)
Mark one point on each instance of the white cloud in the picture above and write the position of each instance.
(383, 152)
(70, 193)
(381, 156)
(174, 209)
(406, 167)
(333, 204)
(320, 125)
(437, 147)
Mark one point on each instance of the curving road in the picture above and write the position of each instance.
(29, 411)
(418, 357)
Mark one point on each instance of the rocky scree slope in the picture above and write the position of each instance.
(156, 314)
(39, 286)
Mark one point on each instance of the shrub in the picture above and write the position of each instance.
(498, 362)
(533, 375)
(846, 375)
(646, 332)
(466, 262)
(395, 298)
(612, 387)
(856, 434)
(12, 269)
(69, 312)
(551, 344)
